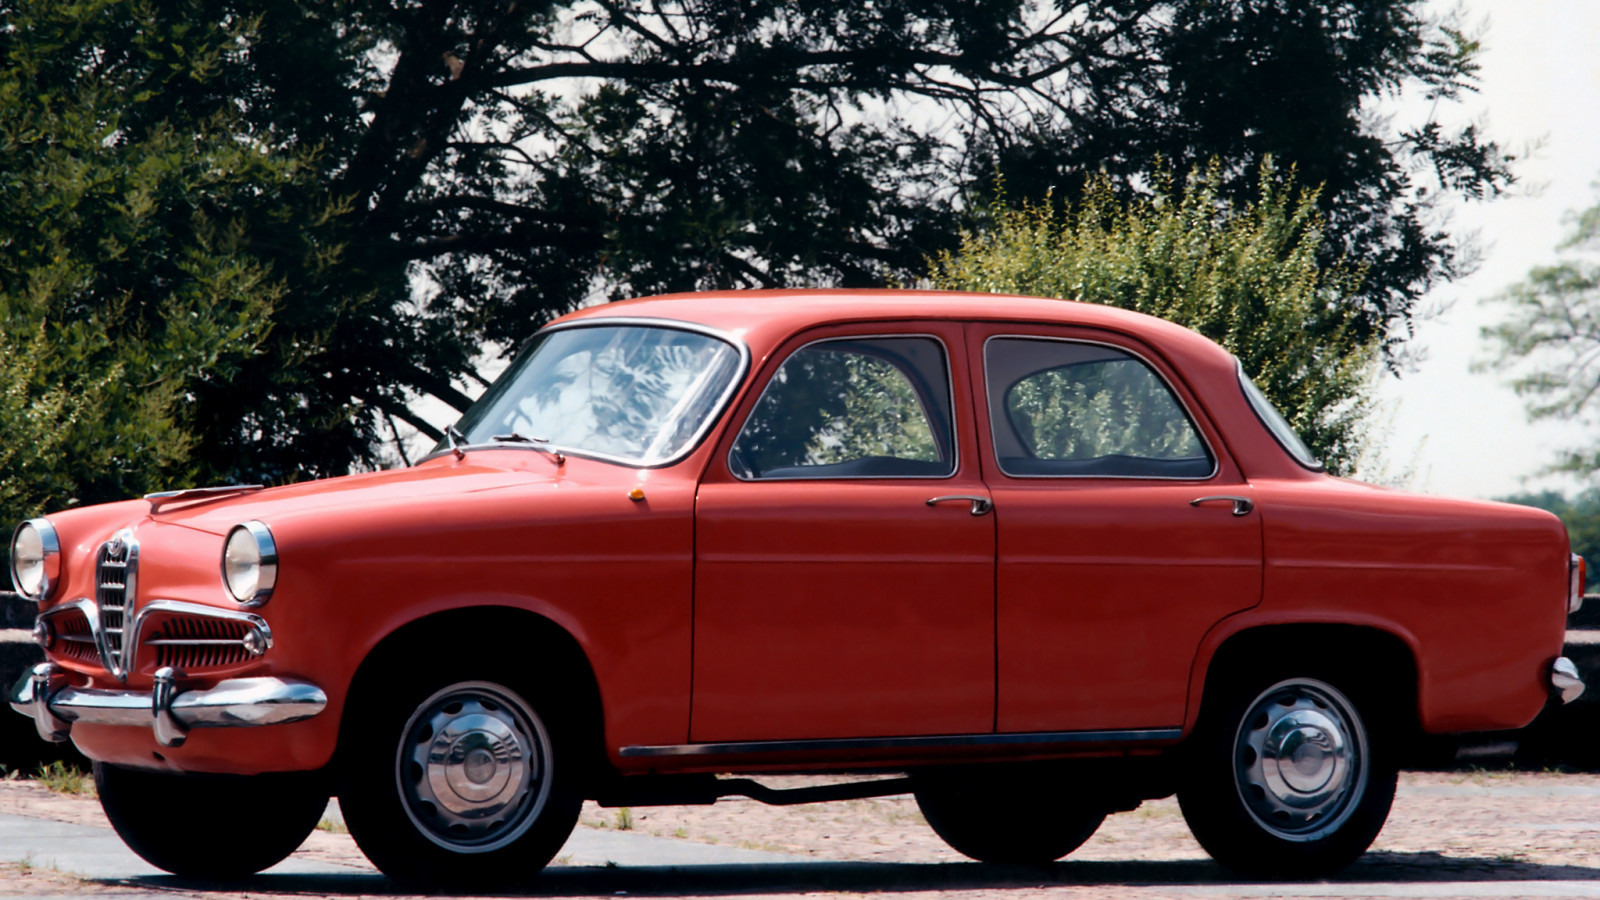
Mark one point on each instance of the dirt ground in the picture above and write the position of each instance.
(1445, 827)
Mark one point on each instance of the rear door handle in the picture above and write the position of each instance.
(1241, 505)
(980, 505)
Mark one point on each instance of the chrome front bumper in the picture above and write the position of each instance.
(44, 695)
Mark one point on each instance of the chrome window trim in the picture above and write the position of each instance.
(267, 549)
(51, 542)
(1194, 421)
(1315, 465)
(718, 409)
(130, 637)
(950, 384)
(1022, 739)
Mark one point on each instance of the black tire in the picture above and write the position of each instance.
(1290, 774)
(218, 828)
(1010, 821)
(469, 780)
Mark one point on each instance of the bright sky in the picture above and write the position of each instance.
(1463, 433)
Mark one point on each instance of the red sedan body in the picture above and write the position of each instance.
(997, 609)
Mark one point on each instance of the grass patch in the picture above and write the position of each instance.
(65, 779)
(332, 827)
(625, 819)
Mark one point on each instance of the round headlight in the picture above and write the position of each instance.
(250, 563)
(35, 559)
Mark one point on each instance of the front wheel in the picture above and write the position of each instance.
(217, 828)
(460, 783)
(1287, 778)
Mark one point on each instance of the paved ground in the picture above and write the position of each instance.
(1451, 835)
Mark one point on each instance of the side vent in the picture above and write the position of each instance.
(74, 638)
(192, 643)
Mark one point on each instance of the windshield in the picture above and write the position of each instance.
(637, 394)
(1277, 424)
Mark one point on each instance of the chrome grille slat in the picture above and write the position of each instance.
(192, 643)
(77, 640)
(116, 579)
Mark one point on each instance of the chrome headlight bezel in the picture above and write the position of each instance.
(48, 565)
(250, 563)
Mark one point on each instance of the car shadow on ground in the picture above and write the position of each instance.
(862, 877)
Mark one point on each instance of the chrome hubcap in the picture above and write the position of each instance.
(1300, 759)
(473, 767)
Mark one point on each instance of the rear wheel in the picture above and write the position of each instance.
(1288, 777)
(1008, 820)
(211, 827)
(460, 782)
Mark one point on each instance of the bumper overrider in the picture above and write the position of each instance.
(45, 695)
(1565, 682)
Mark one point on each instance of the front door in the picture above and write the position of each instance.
(1125, 532)
(832, 598)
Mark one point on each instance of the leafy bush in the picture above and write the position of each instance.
(1247, 276)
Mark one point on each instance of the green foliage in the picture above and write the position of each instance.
(127, 283)
(1549, 341)
(1106, 408)
(1245, 275)
(1581, 515)
(831, 405)
(65, 778)
(289, 219)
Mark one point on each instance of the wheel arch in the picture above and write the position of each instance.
(546, 644)
(1384, 654)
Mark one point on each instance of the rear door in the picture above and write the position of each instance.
(1124, 530)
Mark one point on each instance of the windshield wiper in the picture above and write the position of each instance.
(515, 438)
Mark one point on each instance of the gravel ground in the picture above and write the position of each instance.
(1482, 829)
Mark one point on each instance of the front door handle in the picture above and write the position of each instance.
(980, 505)
(1241, 505)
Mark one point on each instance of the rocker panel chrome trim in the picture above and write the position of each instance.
(937, 742)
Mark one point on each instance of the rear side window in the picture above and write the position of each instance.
(1068, 408)
(852, 408)
(1282, 431)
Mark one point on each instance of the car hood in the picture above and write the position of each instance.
(372, 491)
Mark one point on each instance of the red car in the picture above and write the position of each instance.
(1048, 559)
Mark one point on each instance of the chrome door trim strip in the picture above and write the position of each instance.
(935, 742)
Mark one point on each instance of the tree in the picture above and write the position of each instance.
(483, 165)
(1550, 339)
(1248, 276)
(126, 286)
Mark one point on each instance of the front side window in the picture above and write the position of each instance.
(852, 408)
(638, 394)
(1068, 408)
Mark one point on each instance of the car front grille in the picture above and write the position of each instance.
(116, 572)
(189, 642)
(74, 638)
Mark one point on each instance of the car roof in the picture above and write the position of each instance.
(764, 317)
